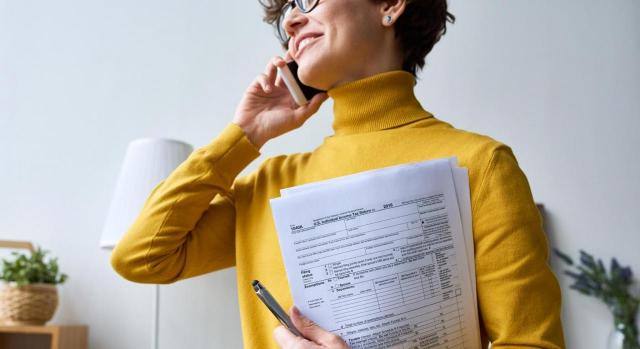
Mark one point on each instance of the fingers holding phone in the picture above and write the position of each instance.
(287, 58)
(267, 108)
(270, 78)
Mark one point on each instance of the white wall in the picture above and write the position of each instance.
(557, 81)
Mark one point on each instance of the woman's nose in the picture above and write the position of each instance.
(293, 20)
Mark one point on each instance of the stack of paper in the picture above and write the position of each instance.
(384, 258)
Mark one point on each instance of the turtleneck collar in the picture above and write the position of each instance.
(381, 101)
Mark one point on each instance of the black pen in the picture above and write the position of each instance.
(274, 307)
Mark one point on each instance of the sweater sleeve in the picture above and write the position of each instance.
(186, 226)
(518, 295)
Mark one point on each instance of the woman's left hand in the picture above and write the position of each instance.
(317, 338)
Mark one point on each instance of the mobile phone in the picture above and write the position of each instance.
(301, 93)
(275, 308)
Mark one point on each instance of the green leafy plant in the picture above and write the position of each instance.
(613, 288)
(30, 269)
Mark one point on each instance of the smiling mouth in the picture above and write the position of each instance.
(305, 43)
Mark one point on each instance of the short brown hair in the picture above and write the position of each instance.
(419, 28)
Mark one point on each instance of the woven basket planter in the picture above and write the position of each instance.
(32, 304)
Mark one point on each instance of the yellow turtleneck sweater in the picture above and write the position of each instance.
(202, 218)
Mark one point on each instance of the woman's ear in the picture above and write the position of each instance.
(390, 10)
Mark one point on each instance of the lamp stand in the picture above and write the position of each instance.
(154, 325)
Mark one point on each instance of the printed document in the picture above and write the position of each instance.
(384, 258)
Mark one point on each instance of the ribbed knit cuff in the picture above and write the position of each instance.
(229, 153)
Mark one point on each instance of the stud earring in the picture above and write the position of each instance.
(388, 19)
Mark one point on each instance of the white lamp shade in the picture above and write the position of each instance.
(147, 162)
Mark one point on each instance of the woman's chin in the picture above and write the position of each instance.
(310, 73)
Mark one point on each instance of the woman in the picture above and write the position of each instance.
(365, 53)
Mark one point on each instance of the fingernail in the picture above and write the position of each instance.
(296, 311)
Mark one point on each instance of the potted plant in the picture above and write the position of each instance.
(613, 287)
(29, 294)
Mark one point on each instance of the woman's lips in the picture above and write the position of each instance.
(311, 42)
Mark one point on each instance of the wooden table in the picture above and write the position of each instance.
(44, 337)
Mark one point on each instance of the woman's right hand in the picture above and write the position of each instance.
(267, 109)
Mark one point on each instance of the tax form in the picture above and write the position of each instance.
(384, 258)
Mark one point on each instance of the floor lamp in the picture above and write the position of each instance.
(147, 162)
